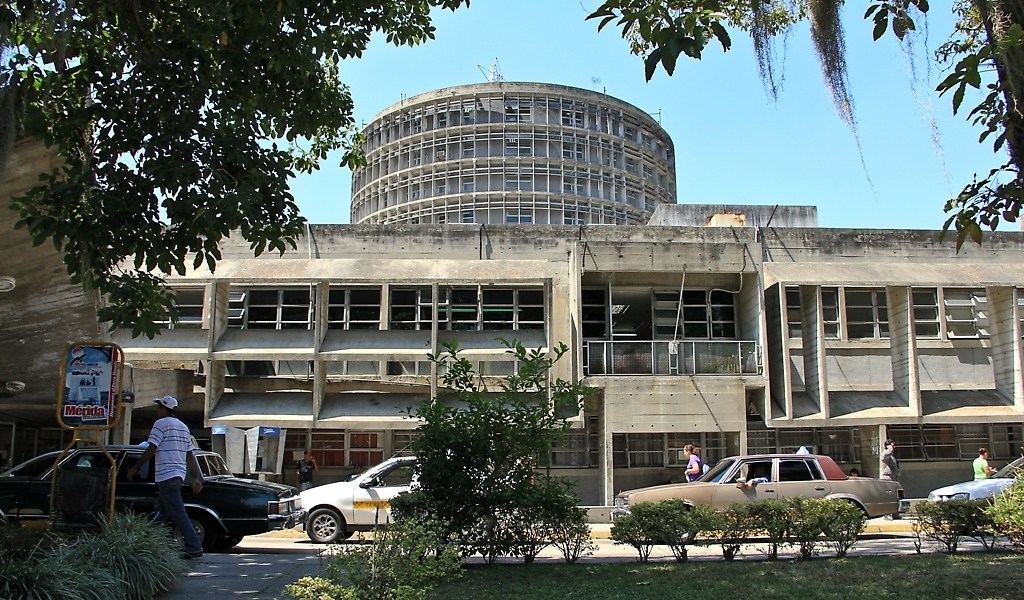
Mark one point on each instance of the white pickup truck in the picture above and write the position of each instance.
(337, 510)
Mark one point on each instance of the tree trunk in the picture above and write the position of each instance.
(998, 16)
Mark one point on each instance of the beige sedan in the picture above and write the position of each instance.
(739, 479)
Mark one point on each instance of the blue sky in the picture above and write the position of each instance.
(733, 143)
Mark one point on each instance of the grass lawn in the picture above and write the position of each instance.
(975, 576)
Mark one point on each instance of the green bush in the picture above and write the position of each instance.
(639, 528)
(842, 522)
(319, 588)
(1007, 514)
(130, 558)
(949, 522)
(730, 529)
(571, 535)
(405, 561)
(772, 518)
(679, 525)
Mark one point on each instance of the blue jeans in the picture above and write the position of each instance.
(170, 505)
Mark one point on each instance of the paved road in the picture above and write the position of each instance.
(261, 566)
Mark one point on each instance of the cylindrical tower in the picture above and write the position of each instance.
(507, 152)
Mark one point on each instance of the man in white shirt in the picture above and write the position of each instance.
(171, 442)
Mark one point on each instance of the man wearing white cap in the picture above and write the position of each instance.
(171, 442)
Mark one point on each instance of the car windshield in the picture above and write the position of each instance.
(213, 464)
(718, 471)
(1010, 470)
(33, 467)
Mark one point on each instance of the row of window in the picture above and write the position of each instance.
(476, 308)
(862, 313)
(527, 109)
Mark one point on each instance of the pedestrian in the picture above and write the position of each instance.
(890, 464)
(694, 465)
(171, 442)
(981, 468)
(304, 471)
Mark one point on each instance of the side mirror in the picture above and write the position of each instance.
(369, 483)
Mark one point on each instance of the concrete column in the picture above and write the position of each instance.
(813, 331)
(903, 347)
(321, 295)
(1005, 334)
(871, 438)
(606, 466)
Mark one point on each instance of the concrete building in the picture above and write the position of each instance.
(508, 152)
(753, 338)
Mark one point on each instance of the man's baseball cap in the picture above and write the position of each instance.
(168, 402)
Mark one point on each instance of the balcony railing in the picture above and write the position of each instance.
(672, 358)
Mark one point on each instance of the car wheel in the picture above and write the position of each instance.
(325, 526)
(227, 542)
(206, 530)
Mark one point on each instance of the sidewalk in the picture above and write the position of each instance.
(262, 565)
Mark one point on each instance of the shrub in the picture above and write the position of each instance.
(319, 588)
(772, 517)
(131, 558)
(638, 529)
(729, 528)
(1007, 514)
(949, 522)
(404, 562)
(842, 523)
(571, 535)
(680, 524)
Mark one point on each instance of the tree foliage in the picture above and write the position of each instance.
(985, 52)
(179, 123)
(480, 453)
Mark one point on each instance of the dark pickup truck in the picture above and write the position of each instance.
(227, 509)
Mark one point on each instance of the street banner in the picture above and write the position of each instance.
(90, 382)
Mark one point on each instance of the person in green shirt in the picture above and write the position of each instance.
(981, 468)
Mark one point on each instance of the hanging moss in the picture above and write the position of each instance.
(830, 45)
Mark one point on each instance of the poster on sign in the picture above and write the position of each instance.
(89, 374)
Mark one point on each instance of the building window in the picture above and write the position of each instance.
(468, 149)
(260, 308)
(594, 313)
(925, 442)
(519, 218)
(512, 309)
(926, 312)
(632, 450)
(706, 314)
(867, 315)
(357, 308)
(411, 308)
(794, 318)
(189, 304)
(518, 146)
(442, 189)
(966, 313)
(365, 448)
(572, 151)
(401, 443)
(579, 448)
(517, 114)
(518, 183)
(469, 217)
(570, 186)
(441, 120)
(572, 117)
(468, 186)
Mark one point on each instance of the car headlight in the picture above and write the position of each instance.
(621, 502)
(961, 496)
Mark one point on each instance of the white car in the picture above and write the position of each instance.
(979, 488)
(363, 501)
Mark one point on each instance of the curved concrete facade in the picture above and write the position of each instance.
(510, 152)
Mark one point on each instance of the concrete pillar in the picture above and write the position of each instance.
(903, 347)
(606, 464)
(813, 330)
(1005, 334)
(871, 438)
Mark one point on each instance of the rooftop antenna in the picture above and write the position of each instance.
(658, 114)
(492, 75)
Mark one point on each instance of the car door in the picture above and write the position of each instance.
(801, 477)
(25, 492)
(139, 494)
(730, 490)
(371, 502)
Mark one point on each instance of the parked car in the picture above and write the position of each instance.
(337, 510)
(979, 488)
(227, 509)
(786, 476)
